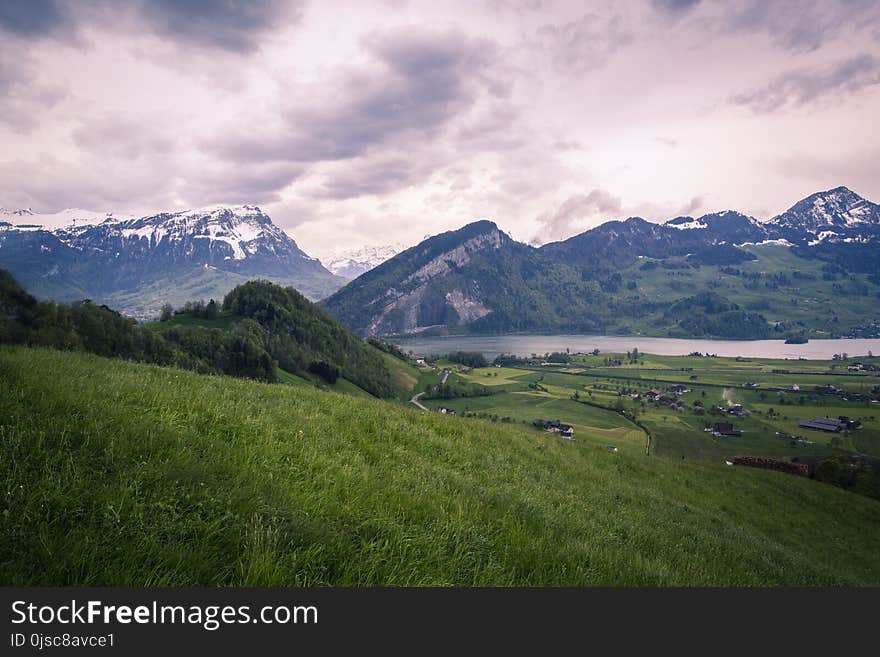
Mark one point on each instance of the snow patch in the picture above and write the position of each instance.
(689, 225)
(779, 242)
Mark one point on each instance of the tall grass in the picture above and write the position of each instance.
(122, 474)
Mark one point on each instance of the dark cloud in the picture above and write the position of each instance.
(258, 183)
(372, 176)
(235, 25)
(675, 6)
(419, 82)
(31, 18)
(575, 212)
(802, 86)
(227, 24)
(691, 207)
(24, 100)
(801, 25)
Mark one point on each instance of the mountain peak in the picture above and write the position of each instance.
(828, 213)
(479, 226)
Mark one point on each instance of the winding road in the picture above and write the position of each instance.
(415, 400)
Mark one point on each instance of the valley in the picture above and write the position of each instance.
(291, 453)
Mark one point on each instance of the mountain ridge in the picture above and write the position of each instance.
(578, 284)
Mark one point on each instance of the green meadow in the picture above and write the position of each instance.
(117, 473)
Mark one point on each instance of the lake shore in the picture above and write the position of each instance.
(525, 345)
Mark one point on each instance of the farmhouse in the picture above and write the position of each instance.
(824, 424)
(725, 429)
(445, 410)
(678, 389)
(555, 426)
(652, 395)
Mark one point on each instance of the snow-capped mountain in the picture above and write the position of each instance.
(239, 238)
(837, 214)
(204, 252)
(351, 263)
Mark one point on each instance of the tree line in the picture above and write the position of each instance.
(270, 327)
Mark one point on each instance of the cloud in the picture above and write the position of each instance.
(800, 25)
(234, 25)
(49, 184)
(372, 175)
(690, 208)
(417, 83)
(227, 24)
(32, 18)
(582, 45)
(802, 86)
(24, 99)
(221, 182)
(675, 6)
(574, 214)
(128, 137)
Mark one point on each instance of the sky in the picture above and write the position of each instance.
(371, 123)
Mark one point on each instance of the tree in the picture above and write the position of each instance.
(167, 312)
(211, 310)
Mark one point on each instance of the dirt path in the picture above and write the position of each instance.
(415, 400)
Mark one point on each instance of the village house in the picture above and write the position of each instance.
(555, 426)
(725, 429)
(652, 395)
(445, 410)
(678, 389)
(737, 410)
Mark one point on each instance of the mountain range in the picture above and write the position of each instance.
(137, 264)
(813, 270)
(351, 263)
(807, 271)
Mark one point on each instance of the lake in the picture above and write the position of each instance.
(525, 345)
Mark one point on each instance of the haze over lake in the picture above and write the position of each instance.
(525, 345)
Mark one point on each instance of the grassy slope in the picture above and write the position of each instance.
(128, 474)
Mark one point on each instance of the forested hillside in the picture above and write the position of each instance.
(265, 327)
